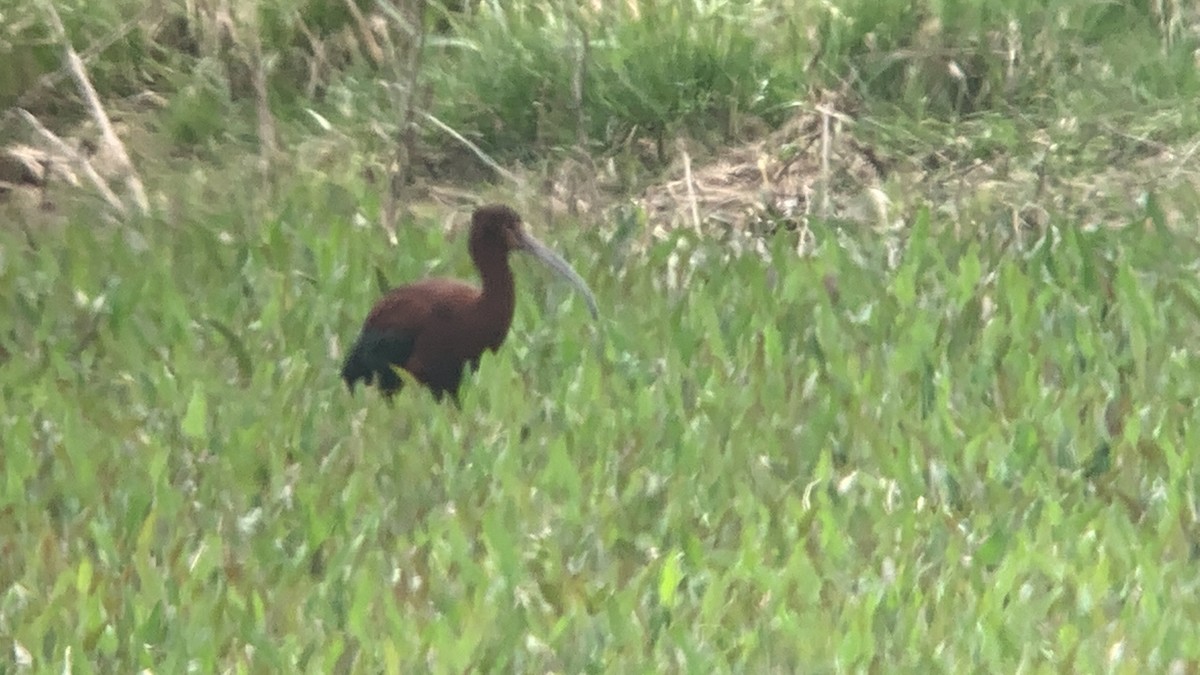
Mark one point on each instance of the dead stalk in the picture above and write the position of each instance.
(483, 156)
(364, 29)
(72, 155)
(826, 148)
(108, 135)
(266, 121)
(577, 81)
(53, 77)
(408, 66)
(691, 191)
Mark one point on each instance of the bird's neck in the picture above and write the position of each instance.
(497, 293)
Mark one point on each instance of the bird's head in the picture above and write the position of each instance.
(498, 228)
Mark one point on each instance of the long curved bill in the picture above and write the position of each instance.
(554, 261)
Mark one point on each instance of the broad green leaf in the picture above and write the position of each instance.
(83, 577)
(195, 418)
(669, 577)
(502, 546)
(970, 270)
(993, 548)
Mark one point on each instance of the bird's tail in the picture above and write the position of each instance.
(356, 366)
(372, 356)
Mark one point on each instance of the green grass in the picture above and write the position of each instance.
(974, 454)
(733, 472)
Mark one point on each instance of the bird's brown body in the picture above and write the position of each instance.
(436, 328)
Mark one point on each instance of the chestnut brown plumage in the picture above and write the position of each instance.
(435, 327)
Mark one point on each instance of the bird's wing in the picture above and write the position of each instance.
(398, 321)
(391, 329)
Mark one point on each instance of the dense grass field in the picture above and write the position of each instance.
(961, 441)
